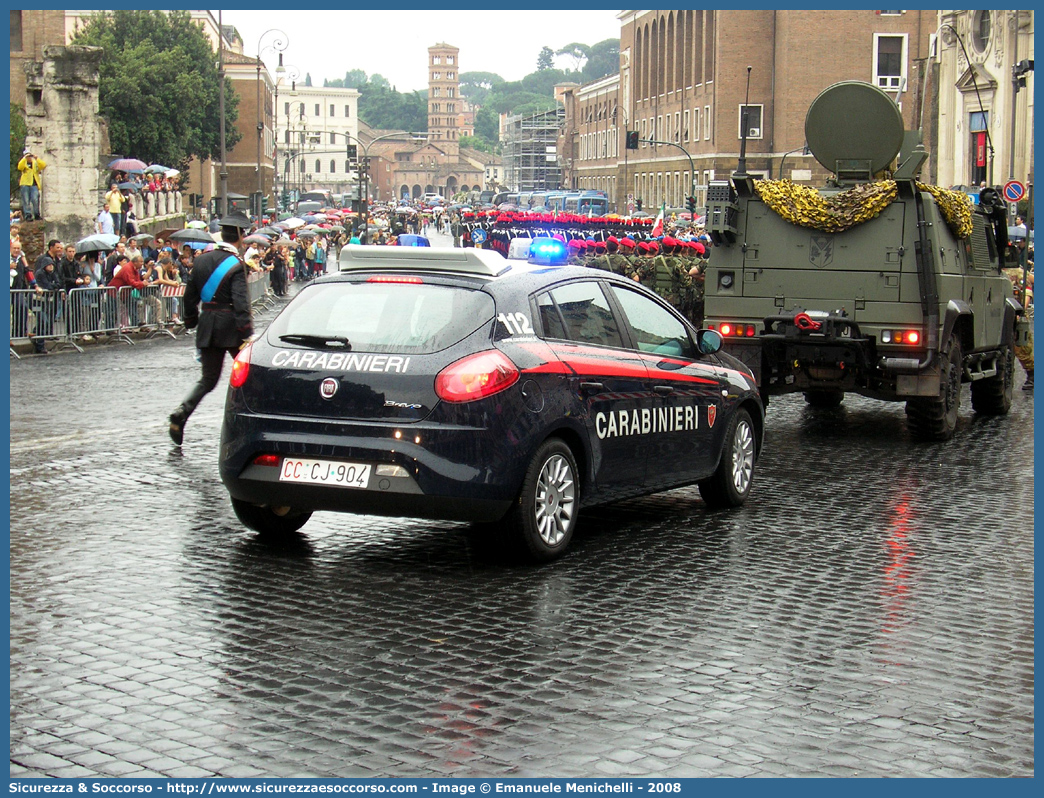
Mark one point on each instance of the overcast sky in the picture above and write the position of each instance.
(394, 43)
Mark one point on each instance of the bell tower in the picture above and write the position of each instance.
(444, 101)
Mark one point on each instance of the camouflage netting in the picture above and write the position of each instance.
(804, 206)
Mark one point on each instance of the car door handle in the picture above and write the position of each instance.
(593, 387)
(664, 389)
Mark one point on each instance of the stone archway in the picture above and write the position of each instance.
(429, 189)
(417, 191)
(404, 192)
(451, 187)
(465, 188)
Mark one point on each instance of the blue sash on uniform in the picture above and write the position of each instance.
(211, 287)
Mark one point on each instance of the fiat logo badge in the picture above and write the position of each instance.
(328, 388)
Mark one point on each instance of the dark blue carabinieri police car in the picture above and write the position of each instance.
(456, 384)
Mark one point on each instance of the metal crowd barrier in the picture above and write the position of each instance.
(86, 314)
(259, 288)
(37, 315)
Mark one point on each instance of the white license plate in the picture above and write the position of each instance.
(335, 473)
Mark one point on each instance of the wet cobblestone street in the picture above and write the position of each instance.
(869, 612)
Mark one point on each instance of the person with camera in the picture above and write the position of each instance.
(29, 184)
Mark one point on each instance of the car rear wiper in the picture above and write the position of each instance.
(319, 341)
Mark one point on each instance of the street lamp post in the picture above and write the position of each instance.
(365, 170)
(692, 171)
(278, 44)
(366, 174)
(292, 73)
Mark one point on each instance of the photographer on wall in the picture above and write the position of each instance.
(29, 184)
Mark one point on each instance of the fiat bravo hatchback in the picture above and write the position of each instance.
(456, 384)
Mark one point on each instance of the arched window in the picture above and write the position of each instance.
(333, 166)
(347, 166)
(318, 166)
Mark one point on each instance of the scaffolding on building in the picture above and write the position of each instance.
(530, 150)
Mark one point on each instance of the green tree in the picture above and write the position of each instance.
(603, 59)
(577, 51)
(334, 83)
(18, 131)
(546, 59)
(476, 143)
(158, 86)
(379, 82)
(476, 86)
(354, 79)
(487, 125)
(385, 108)
(543, 82)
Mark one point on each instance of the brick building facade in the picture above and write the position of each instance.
(683, 80)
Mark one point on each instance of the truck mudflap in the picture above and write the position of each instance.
(807, 350)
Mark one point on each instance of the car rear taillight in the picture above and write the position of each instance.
(476, 377)
(240, 367)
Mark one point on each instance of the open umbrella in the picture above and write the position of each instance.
(126, 164)
(190, 235)
(142, 237)
(197, 224)
(99, 242)
(306, 233)
(156, 169)
(256, 239)
(293, 223)
(269, 231)
(337, 227)
(172, 173)
(128, 186)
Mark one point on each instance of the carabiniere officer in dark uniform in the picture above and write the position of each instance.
(216, 299)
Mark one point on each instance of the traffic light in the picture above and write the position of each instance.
(264, 204)
(353, 152)
(638, 203)
(690, 205)
(632, 139)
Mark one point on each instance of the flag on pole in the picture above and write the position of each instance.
(658, 224)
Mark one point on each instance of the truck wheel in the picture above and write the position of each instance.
(544, 515)
(992, 396)
(824, 398)
(268, 523)
(935, 419)
(730, 483)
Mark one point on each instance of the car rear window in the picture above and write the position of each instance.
(386, 317)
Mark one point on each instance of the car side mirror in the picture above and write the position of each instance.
(708, 341)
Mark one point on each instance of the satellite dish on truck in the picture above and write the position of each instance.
(854, 130)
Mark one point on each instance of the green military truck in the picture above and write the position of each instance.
(887, 288)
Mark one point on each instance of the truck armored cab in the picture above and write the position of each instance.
(888, 288)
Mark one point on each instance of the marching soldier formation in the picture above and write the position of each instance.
(673, 267)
